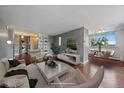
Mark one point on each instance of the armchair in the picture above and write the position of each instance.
(37, 55)
(80, 81)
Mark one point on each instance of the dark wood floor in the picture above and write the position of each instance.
(113, 76)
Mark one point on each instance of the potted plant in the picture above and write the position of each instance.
(99, 42)
(93, 41)
(45, 58)
(55, 49)
(102, 42)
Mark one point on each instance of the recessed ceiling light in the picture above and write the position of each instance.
(22, 36)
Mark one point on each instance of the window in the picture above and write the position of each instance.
(60, 41)
(108, 39)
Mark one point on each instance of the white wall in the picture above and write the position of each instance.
(10, 46)
(81, 37)
(85, 45)
(3, 45)
(120, 43)
(50, 41)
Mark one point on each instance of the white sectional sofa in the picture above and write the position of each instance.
(13, 81)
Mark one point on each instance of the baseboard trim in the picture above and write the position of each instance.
(84, 62)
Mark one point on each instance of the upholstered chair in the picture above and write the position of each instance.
(80, 81)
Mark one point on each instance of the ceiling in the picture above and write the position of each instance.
(54, 20)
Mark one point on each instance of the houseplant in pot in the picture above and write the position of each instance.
(99, 42)
(55, 49)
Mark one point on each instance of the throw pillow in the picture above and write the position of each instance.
(14, 63)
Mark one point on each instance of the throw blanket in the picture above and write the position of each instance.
(17, 72)
(32, 82)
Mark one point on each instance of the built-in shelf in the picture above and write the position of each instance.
(43, 42)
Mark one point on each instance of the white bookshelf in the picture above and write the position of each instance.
(43, 42)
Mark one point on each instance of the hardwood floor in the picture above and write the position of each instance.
(113, 76)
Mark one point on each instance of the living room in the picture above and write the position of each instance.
(45, 47)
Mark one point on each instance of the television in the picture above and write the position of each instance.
(71, 44)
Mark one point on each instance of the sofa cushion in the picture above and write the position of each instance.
(5, 62)
(18, 81)
(16, 76)
(2, 70)
(19, 78)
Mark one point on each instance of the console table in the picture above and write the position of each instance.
(70, 58)
(106, 61)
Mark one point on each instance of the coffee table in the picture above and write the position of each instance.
(50, 73)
